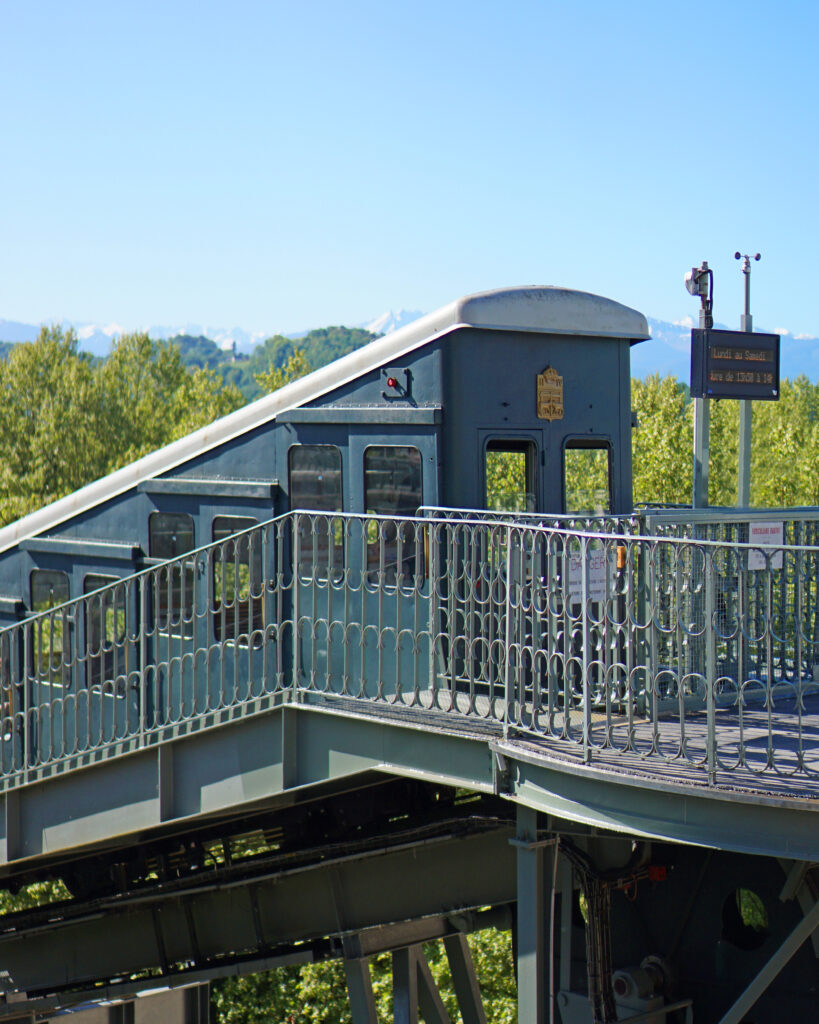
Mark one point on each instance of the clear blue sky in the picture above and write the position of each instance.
(283, 165)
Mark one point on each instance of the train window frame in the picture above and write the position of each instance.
(181, 572)
(385, 540)
(321, 552)
(241, 617)
(50, 629)
(96, 611)
(588, 444)
(496, 443)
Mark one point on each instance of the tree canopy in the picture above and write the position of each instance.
(67, 419)
(784, 450)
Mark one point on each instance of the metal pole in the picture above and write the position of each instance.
(702, 432)
(531, 920)
(701, 282)
(745, 407)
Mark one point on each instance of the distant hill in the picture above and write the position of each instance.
(238, 355)
(321, 346)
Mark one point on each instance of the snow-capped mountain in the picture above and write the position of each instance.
(97, 339)
(667, 352)
(391, 321)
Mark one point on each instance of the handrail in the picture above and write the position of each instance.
(617, 647)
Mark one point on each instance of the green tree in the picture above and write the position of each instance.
(149, 398)
(47, 422)
(785, 448)
(663, 440)
(294, 367)
(317, 993)
(67, 419)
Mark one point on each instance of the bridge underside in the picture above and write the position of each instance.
(303, 832)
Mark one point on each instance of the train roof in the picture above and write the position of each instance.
(536, 309)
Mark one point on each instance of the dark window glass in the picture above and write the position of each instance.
(315, 485)
(237, 578)
(587, 477)
(171, 536)
(509, 475)
(48, 589)
(104, 630)
(49, 634)
(392, 487)
(315, 477)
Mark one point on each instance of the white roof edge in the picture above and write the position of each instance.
(542, 309)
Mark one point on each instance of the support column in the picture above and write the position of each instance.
(467, 991)
(360, 991)
(405, 986)
(429, 998)
(531, 924)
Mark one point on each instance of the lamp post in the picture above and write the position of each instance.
(700, 282)
(745, 407)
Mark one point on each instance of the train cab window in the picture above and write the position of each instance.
(104, 629)
(509, 476)
(392, 487)
(49, 588)
(314, 477)
(170, 535)
(237, 577)
(587, 477)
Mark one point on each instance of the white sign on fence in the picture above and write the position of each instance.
(765, 533)
(596, 560)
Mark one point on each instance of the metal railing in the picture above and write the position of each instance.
(690, 648)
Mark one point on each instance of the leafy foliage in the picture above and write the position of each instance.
(319, 347)
(784, 450)
(67, 419)
(200, 351)
(277, 376)
(663, 440)
(317, 993)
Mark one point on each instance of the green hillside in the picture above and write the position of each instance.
(320, 346)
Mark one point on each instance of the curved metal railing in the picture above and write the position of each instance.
(603, 643)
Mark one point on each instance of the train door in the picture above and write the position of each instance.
(320, 550)
(49, 642)
(397, 476)
(588, 476)
(240, 662)
(511, 478)
(502, 570)
(174, 613)
(108, 684)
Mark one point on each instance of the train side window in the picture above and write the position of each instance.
(587, 477)
(314, 478)
(509, 476)
(49, 588)
(170, 535)
(237, 578)
(392, 487)
(104, 629)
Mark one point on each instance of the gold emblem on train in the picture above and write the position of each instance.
(549, 395)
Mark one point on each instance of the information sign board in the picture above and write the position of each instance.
(734, 364)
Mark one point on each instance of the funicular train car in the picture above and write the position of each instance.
(437, 524)
(533, 380)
